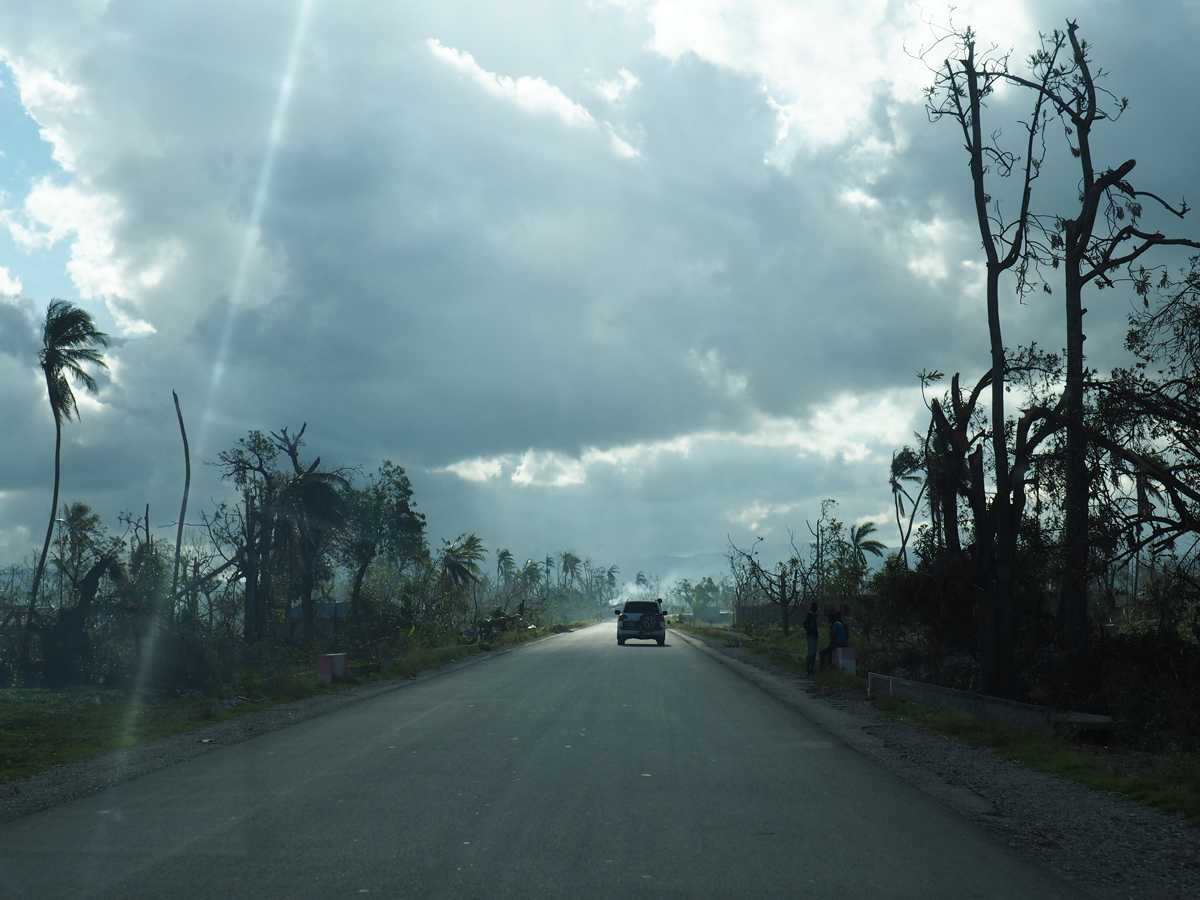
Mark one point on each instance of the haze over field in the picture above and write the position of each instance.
(607, 275)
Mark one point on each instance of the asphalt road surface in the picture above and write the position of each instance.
(568, 768)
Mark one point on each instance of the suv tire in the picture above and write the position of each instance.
(620, 642)
(661, 641)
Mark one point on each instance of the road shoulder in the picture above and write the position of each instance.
(1103, 843)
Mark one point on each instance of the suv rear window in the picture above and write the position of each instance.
(641, 606)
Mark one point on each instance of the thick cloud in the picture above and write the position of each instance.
(601, 275)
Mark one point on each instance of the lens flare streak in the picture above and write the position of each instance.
(262, 191)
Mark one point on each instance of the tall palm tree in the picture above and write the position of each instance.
(70, 340)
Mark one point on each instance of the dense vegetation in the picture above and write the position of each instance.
(305, 558)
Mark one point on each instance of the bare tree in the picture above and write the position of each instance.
(1104, 236)
(252, 528)
(187, 484)
(959, 92)
(785, 585)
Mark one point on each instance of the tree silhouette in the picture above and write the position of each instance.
(506, 566)
(460, 560)
(963, 82)
(569, 568)
(313, 504)
(861, 542)
(906, 464)
(1104, 235)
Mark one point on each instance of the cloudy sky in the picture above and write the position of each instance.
(622, 276)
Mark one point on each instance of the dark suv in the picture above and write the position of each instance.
(641, 620)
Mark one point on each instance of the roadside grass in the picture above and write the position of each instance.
(1169, 781)
(712, 632)
(41, 728)
(789, 652)
(418, 659)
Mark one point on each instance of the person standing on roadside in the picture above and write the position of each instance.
(838, 637)
(810, 635)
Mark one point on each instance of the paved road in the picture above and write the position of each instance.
(571, 767)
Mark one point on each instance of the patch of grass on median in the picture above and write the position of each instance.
(1169, 781)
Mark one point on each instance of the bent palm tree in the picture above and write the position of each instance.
(861, 542)
(570, 566)
(506, 566)
(70, 340)
(460, 565)
(460, 560)
(906, 465)
(610, 578)
(531, 578)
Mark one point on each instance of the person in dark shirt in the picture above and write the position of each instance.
(810, 634)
